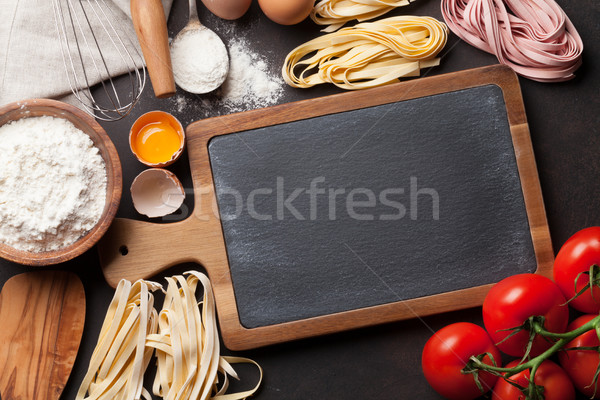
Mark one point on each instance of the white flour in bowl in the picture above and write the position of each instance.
(52, 184)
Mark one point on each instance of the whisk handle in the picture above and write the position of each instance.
(150, 26)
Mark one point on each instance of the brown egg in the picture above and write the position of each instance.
(286, 12)
(228, 9)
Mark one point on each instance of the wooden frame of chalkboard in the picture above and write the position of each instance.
(200, 238)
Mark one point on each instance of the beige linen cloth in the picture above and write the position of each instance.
(31, 61)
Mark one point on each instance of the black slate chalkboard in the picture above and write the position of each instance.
(408, 199)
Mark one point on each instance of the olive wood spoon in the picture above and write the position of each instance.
(42, 314)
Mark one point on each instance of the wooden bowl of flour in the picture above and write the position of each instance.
(114, 180)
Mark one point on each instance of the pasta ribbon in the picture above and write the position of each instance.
(187, 345)
(120, 358)
(336, 13)
(185, 340)
(533, 37)
(367, 55)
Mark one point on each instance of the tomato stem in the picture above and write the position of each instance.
(534, 363)
(593, 280)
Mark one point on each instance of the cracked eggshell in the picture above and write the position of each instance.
(157, 192)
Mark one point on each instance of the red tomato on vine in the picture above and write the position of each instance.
(510, 304)
(581, 365)
(573, 262)
(554, 380)
(448, 351)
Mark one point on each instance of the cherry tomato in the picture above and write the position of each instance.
(556, 383)
(581, 365)
(447, 352)
(512, 301)
(577, 255)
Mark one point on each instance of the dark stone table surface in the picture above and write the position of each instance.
(381, 362)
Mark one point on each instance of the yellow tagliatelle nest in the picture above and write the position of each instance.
(367, 55)
(184, 337)
(118, 363)
(187, 345)
(336, 13)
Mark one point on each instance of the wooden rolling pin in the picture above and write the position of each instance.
(150, 26)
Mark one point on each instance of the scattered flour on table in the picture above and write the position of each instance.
(181, 103)
(52, 184)
(251, 83)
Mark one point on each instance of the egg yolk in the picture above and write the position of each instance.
(156, 142)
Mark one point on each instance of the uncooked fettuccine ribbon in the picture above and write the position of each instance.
(336, 13)
(534, 37)
(367, 55)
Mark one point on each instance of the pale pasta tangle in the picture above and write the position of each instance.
(367, 55)
(120, 358)
(336, 13)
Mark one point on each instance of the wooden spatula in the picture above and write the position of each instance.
(42, 316)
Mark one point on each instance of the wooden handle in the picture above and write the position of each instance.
(135, 250)
(151, 28)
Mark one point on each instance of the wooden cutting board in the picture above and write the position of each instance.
(437, 199)
(42, 314)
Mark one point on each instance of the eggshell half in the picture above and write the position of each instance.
(157, 192)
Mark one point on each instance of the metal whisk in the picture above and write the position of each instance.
(96, 48)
